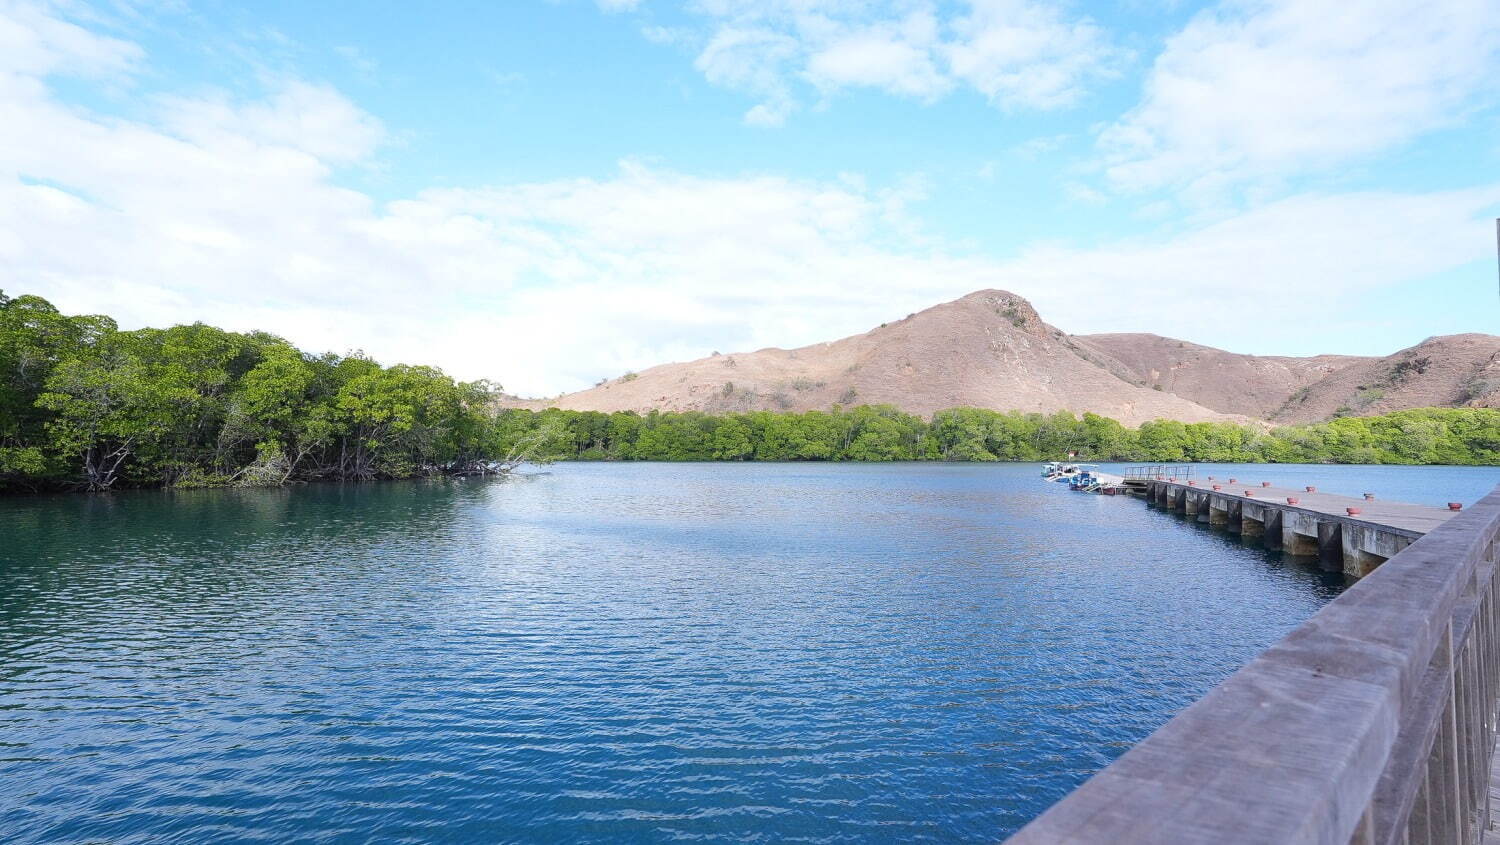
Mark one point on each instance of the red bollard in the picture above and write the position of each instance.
(1352, 511)
(1369, 497)
(1455, 506)
(1291, 500)
(1218, 487)
(1312, 489)
(1265, 484)
(1250, 493)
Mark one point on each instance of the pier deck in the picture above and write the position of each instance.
(1402, 516)
(1299, 521)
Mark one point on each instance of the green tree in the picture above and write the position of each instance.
(109, 410)
(1163, 440)
(964, 434)
(731, 440)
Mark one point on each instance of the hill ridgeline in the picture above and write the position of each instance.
(990, 349)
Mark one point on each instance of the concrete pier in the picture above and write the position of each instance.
(1315, 525)
(1374, 722)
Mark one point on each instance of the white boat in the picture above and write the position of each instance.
(1064, 470)
(1084, 477)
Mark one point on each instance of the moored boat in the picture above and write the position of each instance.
(1085, 478)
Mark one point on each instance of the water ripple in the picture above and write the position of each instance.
(605, 653)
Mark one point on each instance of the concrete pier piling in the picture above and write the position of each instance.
(1353, 534)
(1218, 511)
(1299, 533)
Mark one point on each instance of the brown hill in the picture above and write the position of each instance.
(1252, 385)
(1450, 371)
(989, 349)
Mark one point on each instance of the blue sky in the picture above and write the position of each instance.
(550, 193)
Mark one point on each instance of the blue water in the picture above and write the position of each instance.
(611, 653)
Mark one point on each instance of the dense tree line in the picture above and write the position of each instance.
(85, 405)
(883, 433)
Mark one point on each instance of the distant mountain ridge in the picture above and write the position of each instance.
(1253, 385)
(1450, 371)
(990, 349)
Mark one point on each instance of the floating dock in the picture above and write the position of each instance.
(1358, 534)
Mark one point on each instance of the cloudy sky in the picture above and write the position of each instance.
(549, 193)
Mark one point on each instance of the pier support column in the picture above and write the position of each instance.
(1299, 534)
(1190, 503)
(1273, 517)
(1298, 545)
(1251, 527)
(1218, 511)
(1331, 543)
(1360, 563)
(1253, 519)
(1366, 547)
(1235, 508)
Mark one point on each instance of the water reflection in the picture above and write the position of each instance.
(1330, 577)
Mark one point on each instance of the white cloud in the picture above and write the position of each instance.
(314, 119)
(665, 34)
(768, 115)
(33, 42)
(1260, 89)
(362, 64)
(226, 211)
(892, 55)
(1033, 148)
(1017, 53)
(1079, 192)
(752, 59)
(1276, 275)
(1021, 53)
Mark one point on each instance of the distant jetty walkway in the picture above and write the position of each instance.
(1358, 534)
(1373, 722)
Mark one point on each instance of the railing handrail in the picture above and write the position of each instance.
(1151, 471)
(1375, 718)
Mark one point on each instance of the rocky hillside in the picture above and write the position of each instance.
(990, 349)
(1451, 371)
(1252, 385)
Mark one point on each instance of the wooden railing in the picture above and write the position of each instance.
(1373, 722)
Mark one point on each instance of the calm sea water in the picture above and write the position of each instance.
(613, 652)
